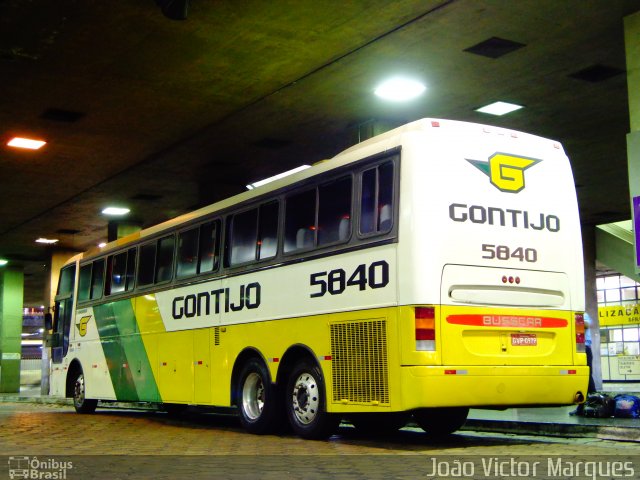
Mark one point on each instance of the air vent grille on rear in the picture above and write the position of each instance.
(359, 360)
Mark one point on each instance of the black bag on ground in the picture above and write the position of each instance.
(599, 405)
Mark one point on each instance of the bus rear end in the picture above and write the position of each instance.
(490, 271)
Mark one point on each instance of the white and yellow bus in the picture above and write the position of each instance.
(427, 270)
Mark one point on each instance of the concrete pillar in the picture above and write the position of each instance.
(369, 129)
(11, 302)
(632, 48)
(591, 300)
(117, 229)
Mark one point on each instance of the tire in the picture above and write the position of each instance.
(80, 402)
(379, 423)
(305, 403)
(257, 399)
(441, 421)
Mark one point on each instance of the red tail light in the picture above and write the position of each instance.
(580, 347)
(425, 318)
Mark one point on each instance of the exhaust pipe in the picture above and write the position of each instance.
(578, 398)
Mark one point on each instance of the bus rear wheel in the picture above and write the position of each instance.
(305, 403)
(441, 421)
(257, 399)
(80, 402)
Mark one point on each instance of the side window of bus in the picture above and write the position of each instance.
(164, 259)
(376, 202)
(187, 264)
(334, 211)
(268, 230)
(209, 247)
(147, 264)
(300, 221)
(67, 278)
(120, 272)
(84, 283)
(243, 236)
(131, 269)
(97, 279)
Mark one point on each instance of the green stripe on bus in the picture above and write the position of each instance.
(129, 366)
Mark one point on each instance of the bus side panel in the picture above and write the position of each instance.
(127, 359)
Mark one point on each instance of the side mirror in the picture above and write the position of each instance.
(48, 321)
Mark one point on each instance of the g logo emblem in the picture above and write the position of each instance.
(82, 325)
(506, 172)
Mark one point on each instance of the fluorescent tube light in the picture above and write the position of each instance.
(499, 108)
(19, 142)
(115, 211)
(47, 241)
(400, 89)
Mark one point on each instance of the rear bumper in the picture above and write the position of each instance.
(491, 386)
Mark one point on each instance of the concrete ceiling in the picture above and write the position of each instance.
(163, 116)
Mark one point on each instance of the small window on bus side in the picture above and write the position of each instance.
(376, 202)
(164, 259)
(187, 264)
(84, 283)
(97, 279)
(147, 264)
(300, 221)
(208, 254)
(268, 230)
(118, 267)
(334, 211)
(131, 270)
(244, 235)
(67, 278)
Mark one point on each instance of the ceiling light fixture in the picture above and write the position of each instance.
(47, 241)
(259, 183)
(3, 262)
(27, 143)
(115, 211)
(400, 89)
(499, 108)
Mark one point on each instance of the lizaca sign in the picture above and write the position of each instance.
(619, 315)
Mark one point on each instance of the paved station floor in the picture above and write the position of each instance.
(119, 443)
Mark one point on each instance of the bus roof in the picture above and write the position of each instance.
(378, 144)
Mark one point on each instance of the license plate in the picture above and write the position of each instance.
(524, 339)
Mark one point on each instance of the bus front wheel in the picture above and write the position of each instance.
(80, 402)
(441, 421)
(257, 399)
(305, 403)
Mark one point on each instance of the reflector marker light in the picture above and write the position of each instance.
(568, 372)
(511, 321)
(510, 279)
(456, 372)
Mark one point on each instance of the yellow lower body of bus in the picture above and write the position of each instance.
(491, 386)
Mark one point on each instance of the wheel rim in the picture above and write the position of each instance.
(305, 399)
(78, 391)
(253, 396)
